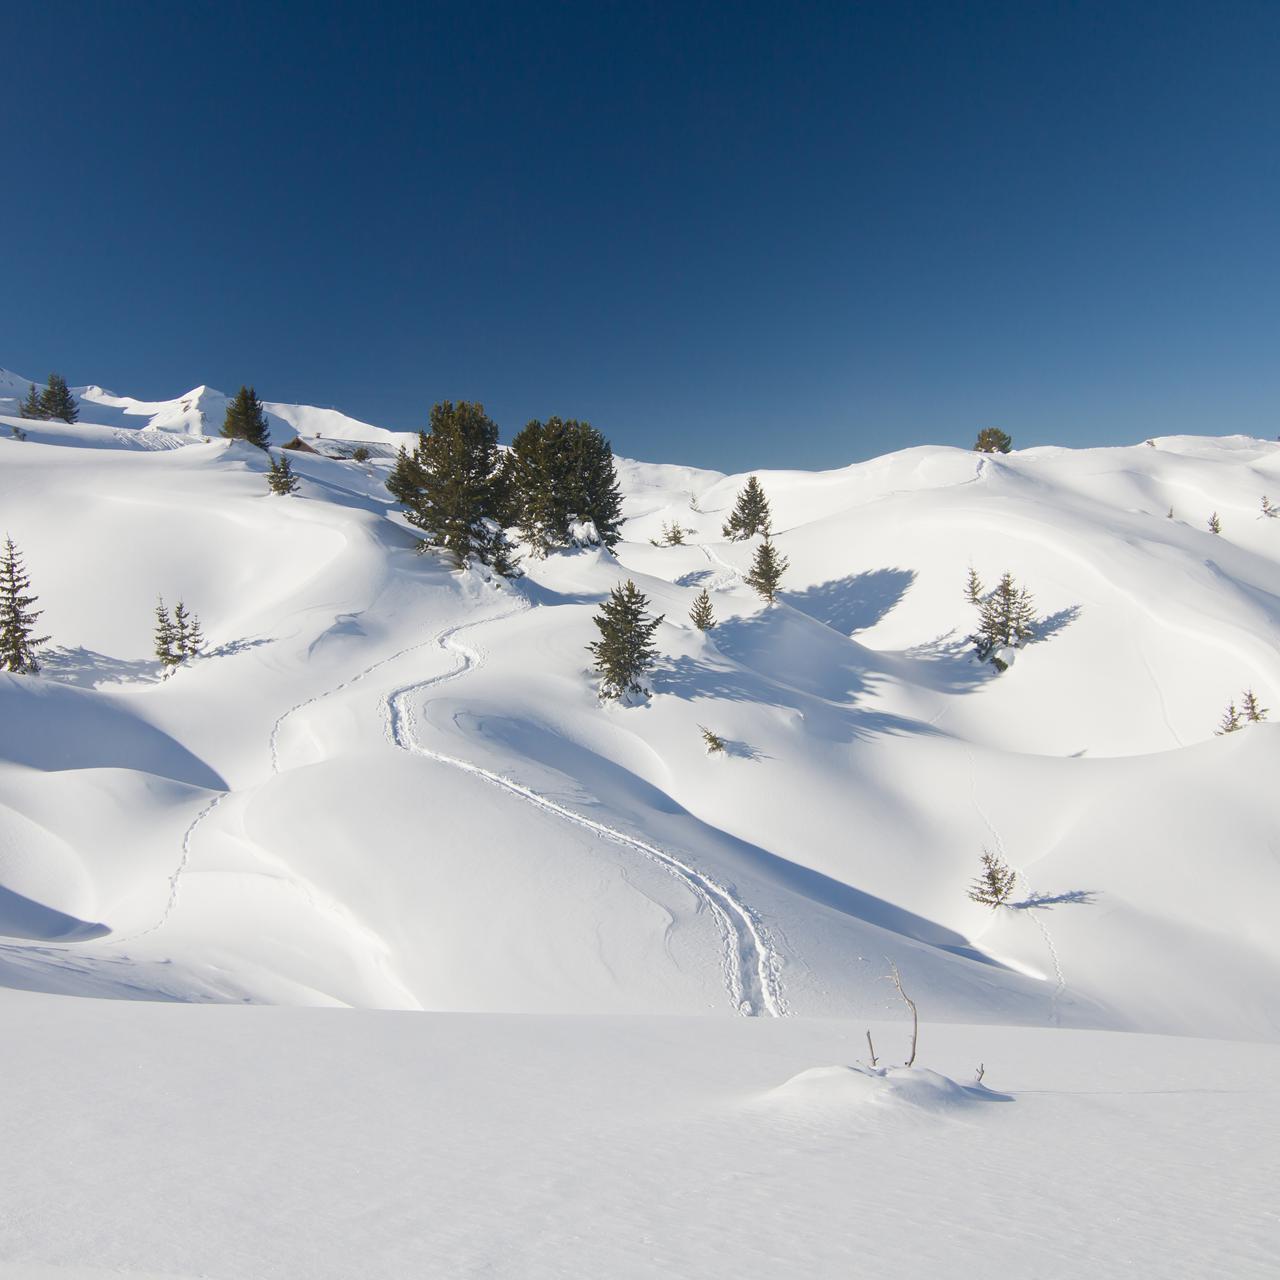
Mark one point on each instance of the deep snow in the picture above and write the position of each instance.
(391, 786)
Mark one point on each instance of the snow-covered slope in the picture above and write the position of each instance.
(390, 785)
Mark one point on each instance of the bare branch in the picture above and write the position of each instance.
(871, 1047)
(896, 978)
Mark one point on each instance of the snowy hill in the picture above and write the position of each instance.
(389, 785)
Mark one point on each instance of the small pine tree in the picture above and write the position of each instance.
(1269, 508)
(17, 619)
(672, 536)
(973, 587)
(1215, 525)
(187, 636)
(31, 406)
(195, 637)
(246, 419)
(1254, 711)
(1230, 721)
(995, 882)
(767, 569)
(713, 740)
(280, 477)
(1007, 617)
(750, 514)
(56, 400)
(625, 650)
(165, 637)
(360, 454)
(701, 615)
(993, 440)
(1170, 516)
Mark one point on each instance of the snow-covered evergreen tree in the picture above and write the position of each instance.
(280, 477)
(246, 419)
(165, 637)
(625, 650)
(767, 567)
(995, 882)
(451, 487)
(187, 637)
(18, 643)
(1007, 617)
(56, 400)
(701, 615)
(672, 535)
(750, 514)
(1215, 525)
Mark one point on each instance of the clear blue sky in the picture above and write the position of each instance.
(732, 235)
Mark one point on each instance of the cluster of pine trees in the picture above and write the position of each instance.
(1250, 711)
(178, 636)
(464, 493)
(18, 641)
(1006, 616)
(54, 402)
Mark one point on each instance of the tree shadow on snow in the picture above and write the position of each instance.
(1045, 901)
(87, 669)
(1048, 627)
(853, 603)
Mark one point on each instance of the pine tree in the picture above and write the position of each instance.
(672, 536)
(187, 636)
(1007, 617)
(995, 882)
(1230, 721)
(195, 638)
(558, 472)
(973, 587)
(165, 636)
(1254, 712)
(767, 569)
(993, 440)
(1215, 525)
(451, 489)
(246, 419)
(750, 514)
(56, 400)
(17, 619)
(31, 406)
(1269, 508)
(713, 740)
(625, 650)
(280, 477)
(701, 615)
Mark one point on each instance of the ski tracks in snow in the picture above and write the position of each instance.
(752, 967)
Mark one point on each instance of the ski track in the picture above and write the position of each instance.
(1059, 976)
(752, 966)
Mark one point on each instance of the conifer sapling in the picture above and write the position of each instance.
(750, 514)
(767, 568)
(280, 477)
(1230, 721)
(1215, 525)
(625, 650)
(995, 882)
(165, 637)
(715, 743)
(701, 614)
(1254, 711)
(1269, 508)
(973, 587)
(18, 643)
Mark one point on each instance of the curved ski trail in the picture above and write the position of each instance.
(751, 964)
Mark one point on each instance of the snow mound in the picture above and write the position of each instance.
(845, 1088)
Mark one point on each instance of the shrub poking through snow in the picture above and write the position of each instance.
(1254, 712)
(1215, 525)
(995, 882)
(750, 514)
(451, 488)
(973, 587)
(701, 614)
(625, 650)
(246, 419)
(18, 644)
(56, 400)
(1269, 508)
(17, 432)
(360, 454)
(280, 477)
(993, 440)
(715, 743)
(1006, 620)
(767, 568)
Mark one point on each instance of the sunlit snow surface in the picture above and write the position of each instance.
(392, 786)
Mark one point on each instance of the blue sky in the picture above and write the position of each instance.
(728, 235)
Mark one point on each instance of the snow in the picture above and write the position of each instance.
(389, 790)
